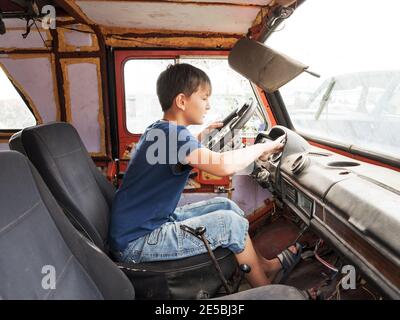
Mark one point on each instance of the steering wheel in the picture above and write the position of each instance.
(275, 133)
(231, 126)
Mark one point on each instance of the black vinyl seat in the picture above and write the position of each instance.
(36, 239)
(36, 236)
(85, 195)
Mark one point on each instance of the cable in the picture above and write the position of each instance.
(28, 28)
(324, 262)
(336, 291)
(37, 28)
(304, 229)
(373, 296)
(279, 30)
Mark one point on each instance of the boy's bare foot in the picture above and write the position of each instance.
(272, 267)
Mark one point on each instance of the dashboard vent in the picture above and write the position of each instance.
(291, 193)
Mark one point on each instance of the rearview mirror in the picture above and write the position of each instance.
(267, 68)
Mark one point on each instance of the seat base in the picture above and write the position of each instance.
(190, 278)
(270, 292)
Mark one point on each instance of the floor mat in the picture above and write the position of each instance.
(275, 236)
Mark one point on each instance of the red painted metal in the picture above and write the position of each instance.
(266, 105)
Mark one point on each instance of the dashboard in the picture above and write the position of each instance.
(352, 204)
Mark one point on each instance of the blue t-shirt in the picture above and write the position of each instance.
(153, 182)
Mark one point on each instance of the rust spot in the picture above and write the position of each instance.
(179, 35)
(199, 3)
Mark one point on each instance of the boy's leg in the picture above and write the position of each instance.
(271, 267)
(224, 228)
(230, 230)
(262, 270)
(206, 206)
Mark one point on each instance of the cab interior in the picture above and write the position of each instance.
(80, 74)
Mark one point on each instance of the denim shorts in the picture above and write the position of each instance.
(225, 227)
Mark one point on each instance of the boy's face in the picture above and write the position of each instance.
(197, 105)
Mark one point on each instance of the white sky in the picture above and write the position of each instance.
(7, 90)
(340, 36)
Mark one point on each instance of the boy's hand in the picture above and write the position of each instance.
(209, 128)
(273, 147)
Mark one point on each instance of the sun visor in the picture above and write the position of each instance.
(267, 68)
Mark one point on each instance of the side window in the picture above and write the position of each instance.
(141, 102)
(356, 100)
(229, 90)
(14, 113)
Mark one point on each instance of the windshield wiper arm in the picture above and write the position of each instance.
(325, 98)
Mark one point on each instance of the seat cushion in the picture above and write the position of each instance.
(190, 278)
(38, 244)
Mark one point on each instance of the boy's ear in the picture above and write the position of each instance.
(180, 101)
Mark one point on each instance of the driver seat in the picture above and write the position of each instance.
(44, 257)
(85, 195)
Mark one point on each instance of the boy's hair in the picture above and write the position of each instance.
(179, 78)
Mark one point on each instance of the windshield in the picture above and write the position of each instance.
(353, 45)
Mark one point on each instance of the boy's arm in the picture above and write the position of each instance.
(230, 162)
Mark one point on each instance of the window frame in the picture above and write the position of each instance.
(123, 56)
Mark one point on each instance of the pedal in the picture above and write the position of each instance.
(307, 254)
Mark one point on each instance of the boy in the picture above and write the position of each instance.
(145, 223)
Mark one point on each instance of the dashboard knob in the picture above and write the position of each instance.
(263, 175)
(245, 268)
(200, 230)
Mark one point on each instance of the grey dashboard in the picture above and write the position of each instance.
(356, 203)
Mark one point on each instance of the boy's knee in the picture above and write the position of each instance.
(224, 200)
(232, 218)
(236, 230)
(220, 199)
(231, 205)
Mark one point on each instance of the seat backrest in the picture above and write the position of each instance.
(85, 195)
(42, 256)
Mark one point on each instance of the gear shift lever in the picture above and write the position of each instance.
(199, 233)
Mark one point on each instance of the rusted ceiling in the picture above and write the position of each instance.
(222, 16)
(166, 23)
